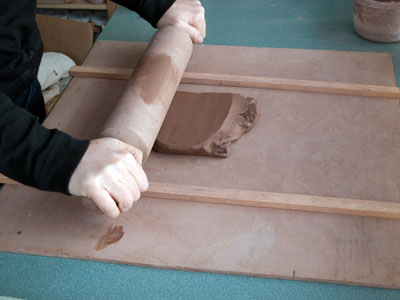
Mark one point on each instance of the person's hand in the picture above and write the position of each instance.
(188, 15)
(111, 175)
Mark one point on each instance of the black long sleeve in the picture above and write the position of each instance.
(30, 153)
(34, 155)
(150, 10)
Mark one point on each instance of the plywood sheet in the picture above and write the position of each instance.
(304, 143)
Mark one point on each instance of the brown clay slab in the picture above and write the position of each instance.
(317, 144)
(205, 123)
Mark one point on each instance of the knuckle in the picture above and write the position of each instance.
(131, 200)
(126, 200)
(129, 158)
(113, 165)
(90, 190)
(198, 39)
(176, 21)
(111, 161)
(126, 206)
(138, 156)
(121, 164)
(136, 195)
(145, 186)
(88, 187)
(110, 211)
(114, 215)
(109, 169)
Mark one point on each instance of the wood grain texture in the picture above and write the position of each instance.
(253, 82)
(304, 143)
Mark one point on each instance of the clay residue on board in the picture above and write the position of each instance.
(154, 73)
(205, 123)
(113, 235)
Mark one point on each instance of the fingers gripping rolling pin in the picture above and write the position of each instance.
(140, 112)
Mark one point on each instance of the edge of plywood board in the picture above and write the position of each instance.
(192, 269)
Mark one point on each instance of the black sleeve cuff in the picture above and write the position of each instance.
(63, 157)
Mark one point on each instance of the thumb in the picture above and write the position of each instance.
(136, 168)
(136, 153)
(193, 32)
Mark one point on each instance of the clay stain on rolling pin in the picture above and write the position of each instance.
(113, 235)
(155, 72)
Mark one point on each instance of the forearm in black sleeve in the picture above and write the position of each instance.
(150, 10)
(34, 155)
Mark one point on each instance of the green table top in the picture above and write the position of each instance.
(307, 24)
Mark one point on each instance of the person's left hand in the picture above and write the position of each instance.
(188, 15)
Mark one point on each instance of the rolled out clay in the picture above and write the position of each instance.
(205, 123)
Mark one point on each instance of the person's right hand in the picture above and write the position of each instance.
(111, 175)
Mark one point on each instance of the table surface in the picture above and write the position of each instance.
(309, 24)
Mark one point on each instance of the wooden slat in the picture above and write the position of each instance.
(320, 204)
(353, 89)
(100, 72)
(6, 180)
(250, 198)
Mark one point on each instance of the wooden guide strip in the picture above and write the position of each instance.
(342, 88)
(6, 180)
(309, 203)
(367, 208)
(84, 6)
(100, 72)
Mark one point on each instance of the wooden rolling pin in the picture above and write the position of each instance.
(140, 112)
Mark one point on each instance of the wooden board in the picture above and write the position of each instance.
(304, 143)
